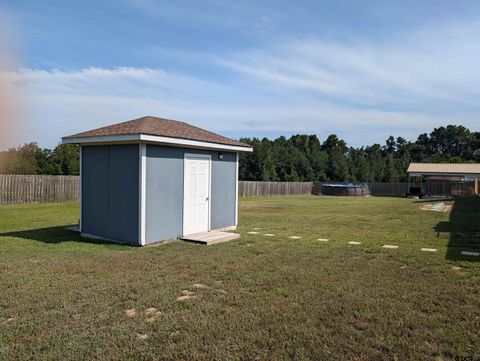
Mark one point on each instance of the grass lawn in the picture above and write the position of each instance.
(263, 297)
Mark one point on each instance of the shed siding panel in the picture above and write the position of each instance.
(223, 191)
(164, 193)
(110, 192)
(123, 192)
(164, 208)
(95, 190)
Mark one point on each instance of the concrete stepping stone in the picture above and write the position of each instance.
(389, 246)
(354, 242)
(142, 336)
(429, 250)
(456, 268)
(323, 240)
(269, 235)
(468, 253)
(252, 232)
(185, 297)
(256, 228)
(294, 237)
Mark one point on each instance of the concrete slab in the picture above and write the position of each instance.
(212, 237)
(468, 253)
(354, 242)
(323, 240)
(294, 237)
(269, 235)
(252, 232)
(429, 250)
(389, 246)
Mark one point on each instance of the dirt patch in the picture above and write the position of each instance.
(131, 312)
(199, 285)
(152, 314)
(8, 321)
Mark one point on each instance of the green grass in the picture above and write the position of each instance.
(267, 297)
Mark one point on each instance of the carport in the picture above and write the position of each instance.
(443, 179)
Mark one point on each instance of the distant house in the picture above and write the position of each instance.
(152, 179)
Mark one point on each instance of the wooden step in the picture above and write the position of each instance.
(212, 237)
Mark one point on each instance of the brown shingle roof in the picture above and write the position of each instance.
(160, 127)
(442, 168)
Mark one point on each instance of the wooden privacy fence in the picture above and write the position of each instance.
(251, 188)
(45, 188)
(38, 188)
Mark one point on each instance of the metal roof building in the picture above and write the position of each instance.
(461, 173)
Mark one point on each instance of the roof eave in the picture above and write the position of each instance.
(170, 141)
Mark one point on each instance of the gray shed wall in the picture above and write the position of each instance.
(164, 191)
(110, 181)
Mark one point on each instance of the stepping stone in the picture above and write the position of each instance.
(354, 242)
(184, 298)
(256, 228)
(294, 237)
(428, 249)
(142, 337)
(468, 253)
(187, 293)
(456, 268)
(389, 246)
(323, 240)
(269, 235)
(252, 232)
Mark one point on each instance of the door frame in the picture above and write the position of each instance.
(201, 156)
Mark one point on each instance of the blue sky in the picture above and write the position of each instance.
(362, 70)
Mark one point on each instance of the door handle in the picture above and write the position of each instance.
(206, 199)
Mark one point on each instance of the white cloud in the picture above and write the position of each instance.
(437, 64)
(361, 91)
(62, 102)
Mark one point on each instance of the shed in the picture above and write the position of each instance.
(151, 179)
(457, 179)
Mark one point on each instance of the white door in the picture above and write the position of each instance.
(196, 206)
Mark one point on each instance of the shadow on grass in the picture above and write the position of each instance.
(54, 235)
(464, 229)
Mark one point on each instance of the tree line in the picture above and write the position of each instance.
(298, 158)
(305, 158)
(64, 159)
